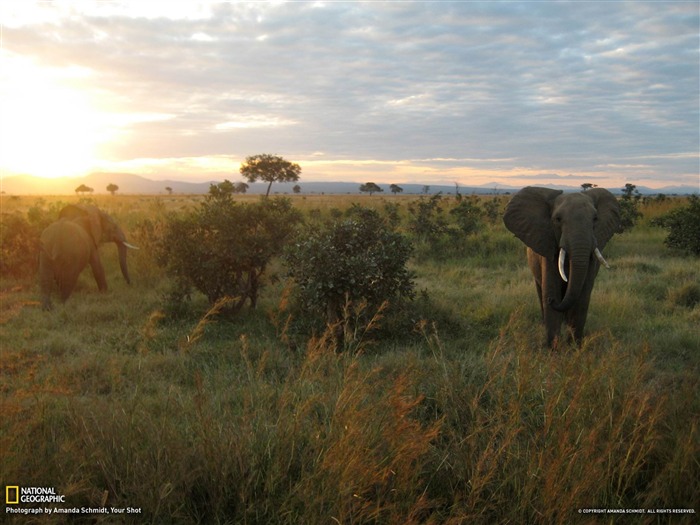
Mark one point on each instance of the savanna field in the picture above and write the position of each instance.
(443, 408)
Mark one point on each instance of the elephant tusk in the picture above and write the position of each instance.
(131, 246)
(562, 256)
(600, 258)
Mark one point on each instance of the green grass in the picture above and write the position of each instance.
(466, 418)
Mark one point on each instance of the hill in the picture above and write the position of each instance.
(135, 184)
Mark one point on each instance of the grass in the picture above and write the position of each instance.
(468, 419)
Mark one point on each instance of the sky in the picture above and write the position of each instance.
(473, 93)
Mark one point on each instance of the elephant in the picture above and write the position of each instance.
(564, 235)
(68, 245)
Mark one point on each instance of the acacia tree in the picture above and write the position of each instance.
(270, 168)
(83, 189)
(370, 187)
(395, 188)
(112, 188)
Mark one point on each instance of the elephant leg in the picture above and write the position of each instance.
(576, 317)
(98, 271)
(66, 285)
(539, 296)
(552, 322)
(551, 290)
(536, 267)
(46, 281)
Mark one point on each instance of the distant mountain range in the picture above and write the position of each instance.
(135, 184)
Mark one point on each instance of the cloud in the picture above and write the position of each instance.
(553, 87)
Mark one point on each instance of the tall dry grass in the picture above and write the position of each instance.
(470, 421)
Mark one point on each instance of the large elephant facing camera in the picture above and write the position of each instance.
(564, 235)
(71, 243)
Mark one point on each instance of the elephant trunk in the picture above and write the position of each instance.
(578, 270)
(122, 248)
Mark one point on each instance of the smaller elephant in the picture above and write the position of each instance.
(564, 235)
(71, 243)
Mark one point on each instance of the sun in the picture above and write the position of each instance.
(49, 125)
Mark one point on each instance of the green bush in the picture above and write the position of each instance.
(19, 238)
(683, 225)
(427, 222)
(19, 246)
(629, 208)
(223, 248)
(468, 215)
(351, 263)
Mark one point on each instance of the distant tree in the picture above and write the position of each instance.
(629, 207)
(112, 188)
(270, 168)
(370, 187)
(426, 189)
(296, 188)
(630, 192)
(588, 186)
(240, 187)
(83, 189)
(223, 190)
(169, 190)
(395, 188)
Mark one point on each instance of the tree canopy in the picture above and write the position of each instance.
(270, 168)
(370, 187)
(222, 190)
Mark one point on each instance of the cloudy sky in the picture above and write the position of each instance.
(510, 93)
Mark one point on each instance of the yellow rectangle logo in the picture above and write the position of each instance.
(12, 494)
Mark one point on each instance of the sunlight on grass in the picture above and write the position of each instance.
(463, 417)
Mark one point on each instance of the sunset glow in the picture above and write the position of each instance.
(49, 128)
(472, 93)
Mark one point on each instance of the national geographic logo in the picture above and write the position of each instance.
(14, 494)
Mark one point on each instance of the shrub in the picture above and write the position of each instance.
(223, 248)
(358, 260)
(493, 210)
(629, 207)
(19, 238)
(683, 225)
(468, 215)
(19, 246)
(427, 222)
(686, 295)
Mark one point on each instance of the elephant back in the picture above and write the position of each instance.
(66, 242)
(89, 217)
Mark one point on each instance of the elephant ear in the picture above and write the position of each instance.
(89, 218)
(608, 215)
(529, 216)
